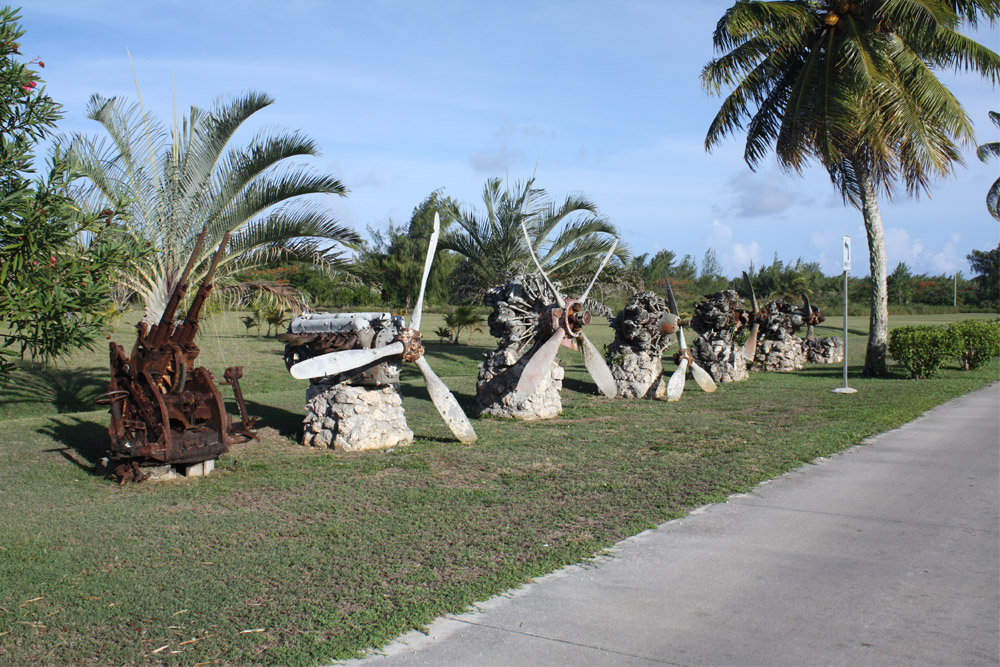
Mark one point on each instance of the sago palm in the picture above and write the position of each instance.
(171, 185)
(852, 85)
(494, 246)
(987, 150)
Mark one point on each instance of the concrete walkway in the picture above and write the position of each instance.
(888, 554)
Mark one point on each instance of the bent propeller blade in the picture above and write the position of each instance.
(676, 385)
(418, 308)
(538, 366)
(446, 404)
(335, 363)
(703, 378)
(600, 268)
(598, 368)
(559, 299)
(750, 347)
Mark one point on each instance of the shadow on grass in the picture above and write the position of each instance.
(455, 352)
(585, 387)
(285, 422)
(67, 391)
(81, 439)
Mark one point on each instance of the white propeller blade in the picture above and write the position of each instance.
(598, 368)
(703, 378)
(446, 404)
(604, 262)
(538, 366)
(750, 347)
(418, 309)
(676, 385)
(335, 363)
(559, 300)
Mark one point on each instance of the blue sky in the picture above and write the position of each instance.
(601, 98)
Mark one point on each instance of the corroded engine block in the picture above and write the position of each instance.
(314, 334)
(518, 321)
(718, 319)
(642, 332)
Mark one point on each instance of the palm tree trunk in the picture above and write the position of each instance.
(878, 322)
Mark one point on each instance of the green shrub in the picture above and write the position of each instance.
(978, 340)
(922, 350)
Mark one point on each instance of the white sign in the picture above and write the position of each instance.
(847, 252)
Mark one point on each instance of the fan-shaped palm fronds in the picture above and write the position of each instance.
(985, 152)
(171, 185)
(850, 84)
(494, 245)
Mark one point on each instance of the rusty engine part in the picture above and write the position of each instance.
(315, 334)
(645, 323)
(721, 312)
(163, 410)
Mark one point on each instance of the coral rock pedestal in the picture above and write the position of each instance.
(721, 357)
(824, 350)
(351, 418)
(498, 377)
(637, 374)
(780, 354)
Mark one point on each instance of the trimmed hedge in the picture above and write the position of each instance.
(979, 341)
(922, 350)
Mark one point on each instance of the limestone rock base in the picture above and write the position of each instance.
(824, 350)
(498, 376)
(721, 357)
(637, 375)
(350, 418)
(781, 355)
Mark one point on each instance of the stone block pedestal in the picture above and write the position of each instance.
(498, 377)
(351, 418)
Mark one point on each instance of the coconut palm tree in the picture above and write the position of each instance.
(171, 185)
(852, 85)
(985, 151)
(494, 245)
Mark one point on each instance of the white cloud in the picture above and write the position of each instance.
(734, 256)
(754, 194)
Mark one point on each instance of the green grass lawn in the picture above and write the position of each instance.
(289, 556)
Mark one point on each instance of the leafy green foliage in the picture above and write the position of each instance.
(900, 284)
(987, 265)
(177, 183)
(494, 246)
(923, 349)
(57, 264)
(463, 317)
(394, 263)
(985, 152)
(979, 342)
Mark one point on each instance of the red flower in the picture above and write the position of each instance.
(53, 260)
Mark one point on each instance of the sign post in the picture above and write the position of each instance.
(847, 269)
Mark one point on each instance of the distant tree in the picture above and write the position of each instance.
(57, 264)
(987, 150)
(986, 266)
(711, 279)
(900, 284)
(852, 85)
(394, 261)
(653, 269)
(176, 183)
(570, 238)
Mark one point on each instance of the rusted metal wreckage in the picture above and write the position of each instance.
(163, 409)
